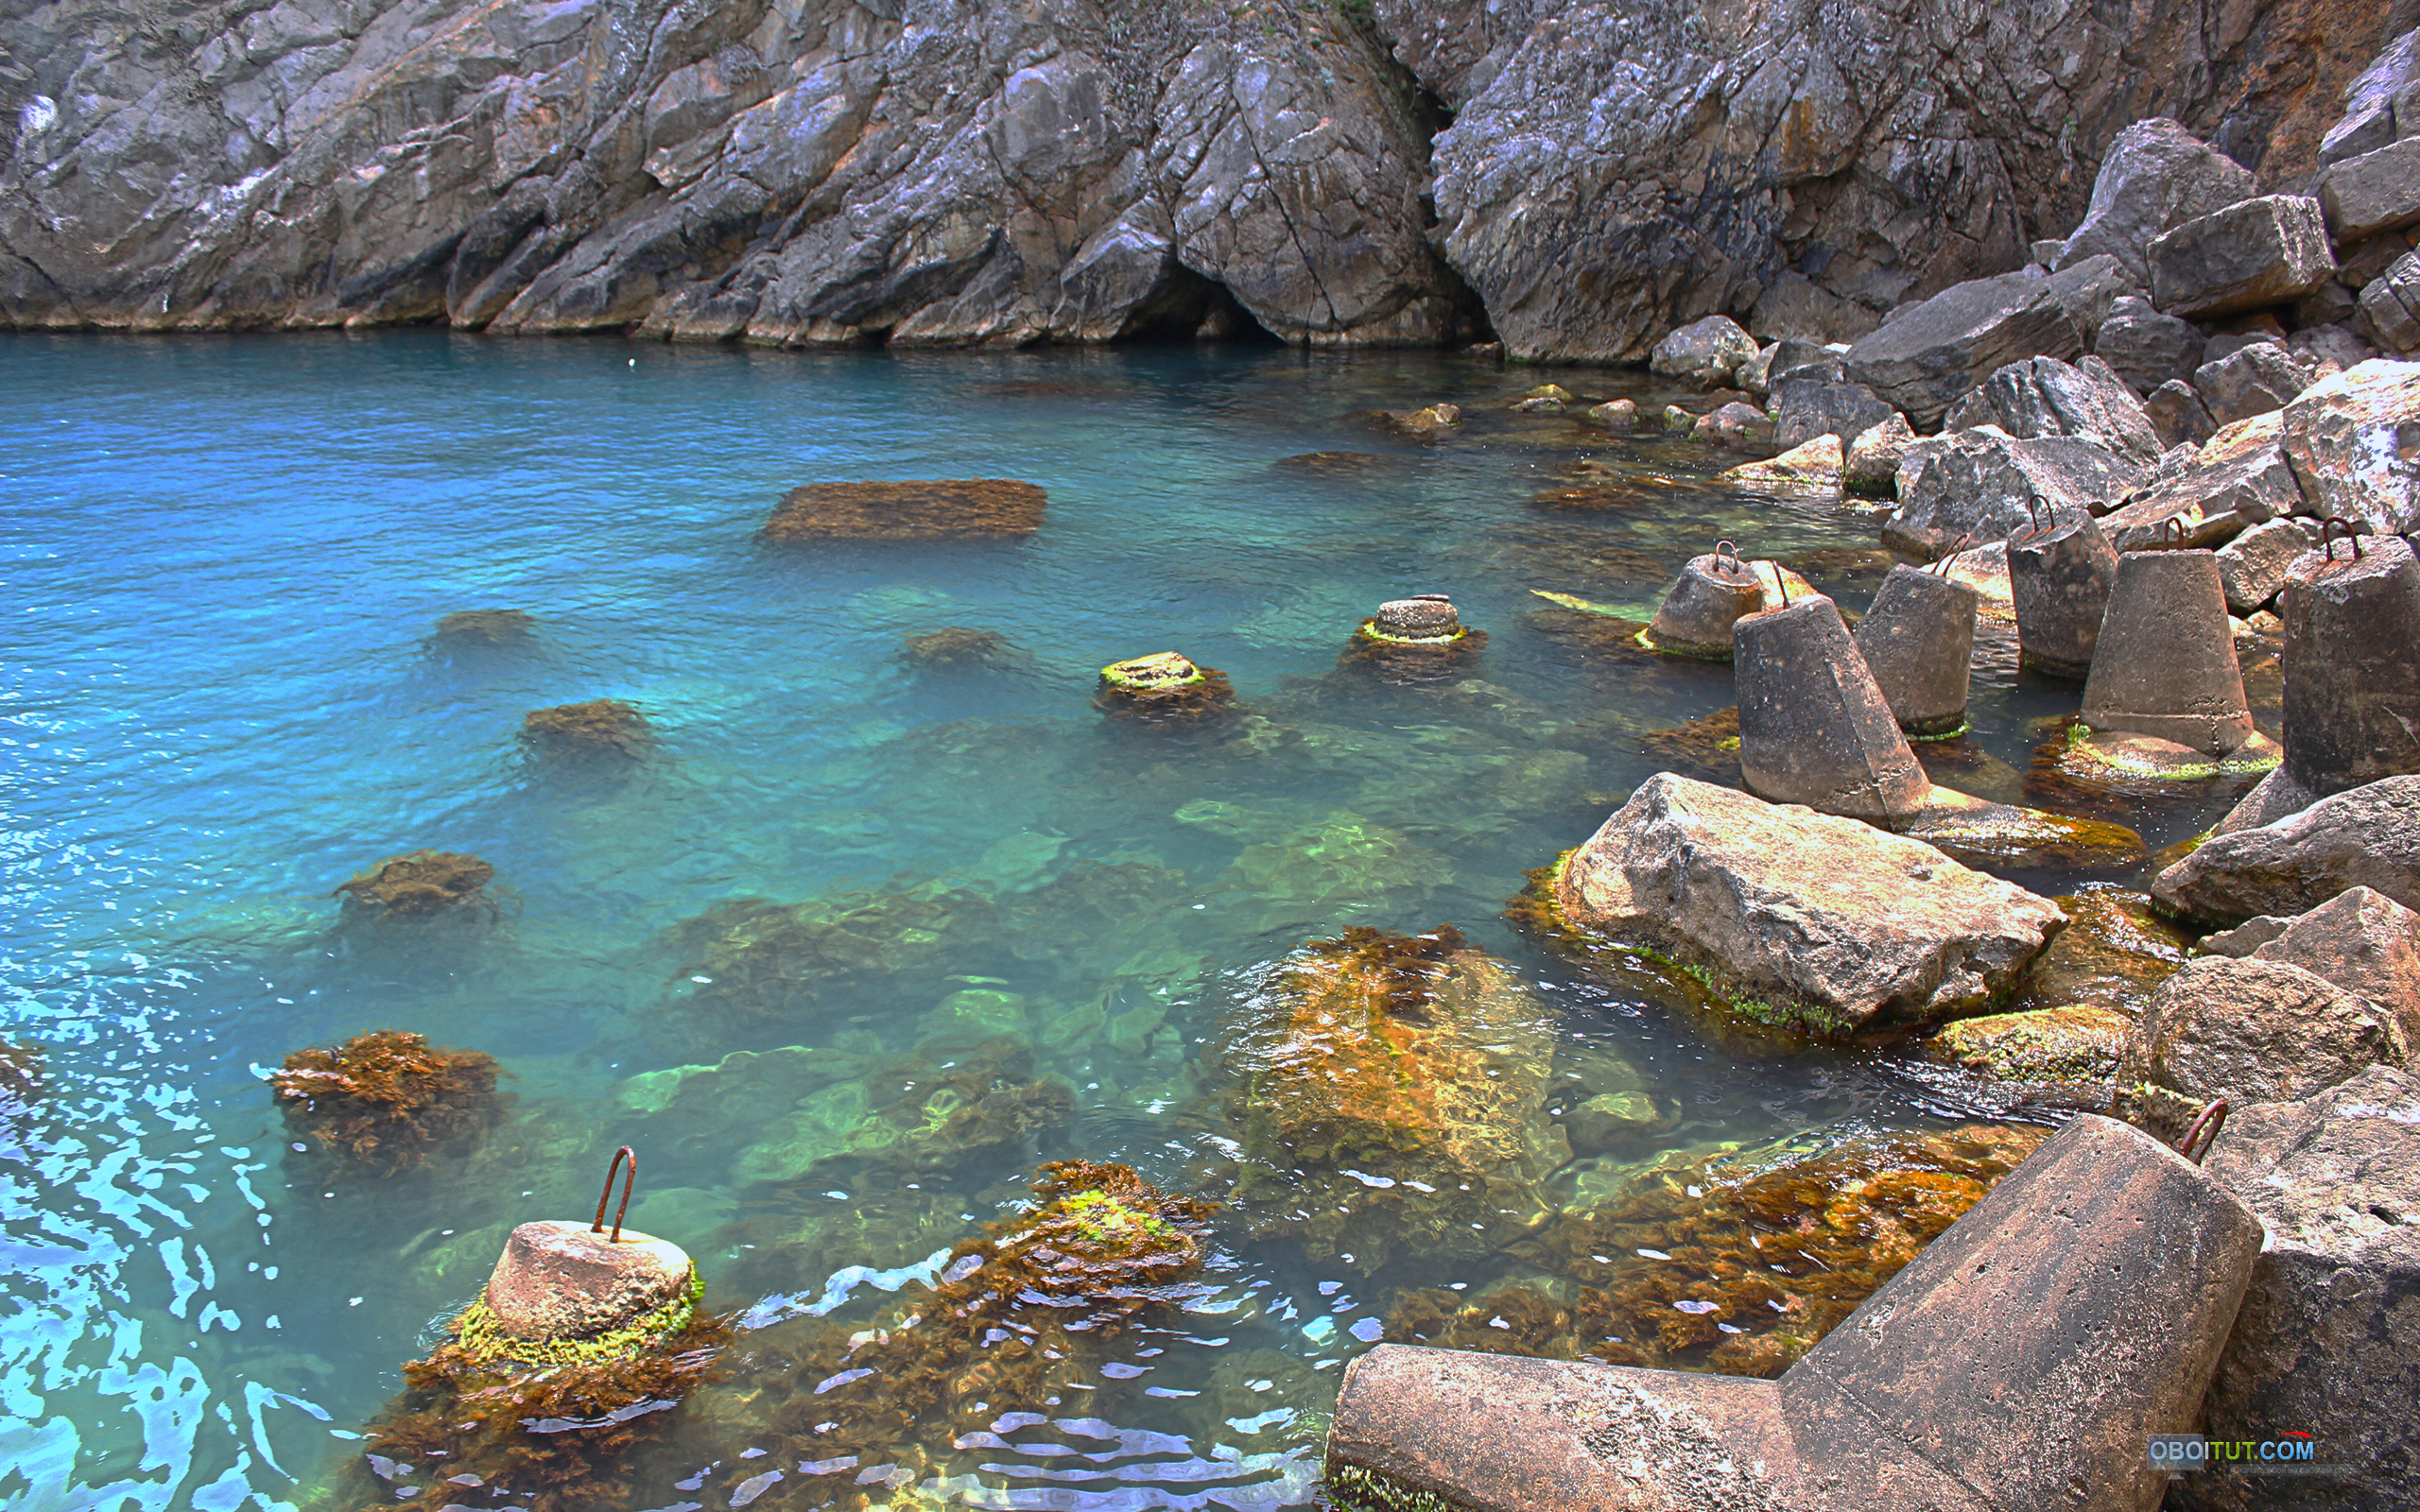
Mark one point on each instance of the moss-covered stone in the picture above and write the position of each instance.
(486, 1341)
(597, 727)
(1164, 688)
(2072, 1046)
(422, 882)
(925, 510)
(956, 646)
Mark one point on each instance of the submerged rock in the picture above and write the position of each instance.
(1421, 424)
(2070, 1052)
(956, 646)
(753, 963)
(388, 1100)
(1737, 1264)
(2113, 954)
(1413, 641)
(915, 1114)
(1800, 918)
(1342, 867)
(925, 510)
(1164, 688)
(1391, 1099)
(421, 884)
(598, 726)
(498, 628)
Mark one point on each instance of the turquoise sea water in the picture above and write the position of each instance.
(225, 559)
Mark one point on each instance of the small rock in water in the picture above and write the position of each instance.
(926, 510)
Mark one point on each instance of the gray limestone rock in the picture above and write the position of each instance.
(2365, 836)
(2367, 944)
(1803, 408)
(2250, 380)
(2374, 191)
(2252, 566)
(2045, 397)
(2146, 348)
(2391, 306)
(2261, 251)
(1926, 357)
(2370, 120)
(2155, 177)
(2238, 478)
(2354, 443)
(1707, 353)
(2256, 1030)
(2178, 414)
(2328, 1337)
(1984, 482)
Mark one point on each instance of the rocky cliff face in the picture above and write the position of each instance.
(941, 172)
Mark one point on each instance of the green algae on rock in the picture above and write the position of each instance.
(1977, 832)
(388, 1100)
(2116, 949)
(597, 727)
(1735, 1264)
(2074, 1048)
(934, 509)
(422, 882)
(1342, 865)
(2143, 766)
(1389, 1097)
(1164, 688)
(915, 1114)
(1013, 1319)
(1410, 660)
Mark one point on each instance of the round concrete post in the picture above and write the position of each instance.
(1918, 639)
(563, 1280)
(2165, 665)
(2060, 577)
(1421, 617)
(1813, 728)
(2351, 674)
(1695, 618)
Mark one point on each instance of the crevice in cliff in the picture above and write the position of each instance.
(1187, 306)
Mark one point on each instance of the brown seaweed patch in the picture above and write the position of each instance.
(931, 509)
(1391, 1096)
(423, 882)
(1729, 1265)
(597, 727)
(1706, 747)
(495, 628)
(388, 1100)
(1014, 1320)
(2113, 954)
(1333, 464)
(956, 646)
(557, 1439)
(764, 962)
(1164, 688)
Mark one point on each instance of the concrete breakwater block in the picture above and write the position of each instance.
(1918, 639)
(2019, 1361)
(2165, 663)
(561, 1280)
(1814, 728)
(1695, 618)
(2060, 575)
(2352, 700)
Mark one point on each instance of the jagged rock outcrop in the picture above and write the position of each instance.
(935, 171)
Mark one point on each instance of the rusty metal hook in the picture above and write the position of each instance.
(2033, 512)
(629, 1176)
(2173, 529)
(2205, 1129)
(1781, 580)
(1721, 546)
(2327, 541)
(1941, 564)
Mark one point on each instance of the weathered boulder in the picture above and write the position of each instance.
(1928, 355)
(2250, 381)
(2256, 1030)
(1806, 407)
(2251, 567)
(2090, 290)
(2046, 396)
(2374, 191)
(2239, 479)
(1803, 359)
(1872, 462)
(2354, 443)
(2328, 1335)
(1810, 467)
(2370, 120)
(2365, 836)
(2178, 414)
(1801, 917)
(2274, 797)
(1707, 353)
(1737, 423)
(2390, 306)
(2364, 942)
(2155, 177)
(2261, 251)
(1983, 483)
(2146, 348)
(1621, 416)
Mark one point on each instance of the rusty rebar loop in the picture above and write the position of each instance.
(1722, 546)
(625, 1153)
(2327, 539)
(2033, 512)
(2204, 1129)
(2173, 529)
(1941, 564)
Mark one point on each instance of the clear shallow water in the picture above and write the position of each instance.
(224, 560)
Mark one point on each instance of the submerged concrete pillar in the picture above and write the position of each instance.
(1695, 618)
(2020, 1361)
(1813, 726)
(1918, 639)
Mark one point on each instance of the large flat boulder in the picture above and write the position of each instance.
(2046, 396)
(1985, 483)
(2261, 251)
(2256, 1030)
(2374, 191)
(1926, 357)
(2327, 1339)
(2240, 478)
(2251, 567)
(2155, 177)
(2354, 443)
(2365, 837)
(1801, 917)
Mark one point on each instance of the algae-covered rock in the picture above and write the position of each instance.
(597, 727)
(1164, 688)
(1983, 833)
(474, 630)
(753, 962)
(1011, 1321)
(420, 884)
(1425, 424)
(388, 1100)
(957, 645)
(924, 510)
(1737, 1264)
(1343, 865)
(2113, 954)
(917, 1114)
(1389, 1097)
(2141, 766)
(1706, 747)
(2072, 1047)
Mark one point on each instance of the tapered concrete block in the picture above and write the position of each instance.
(1918, 639)
(2019, 1362)
(2352, 664)
(2165, 663)
(1695, 618)
(2060, 577)
(1814, 728)
(561, 1280)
